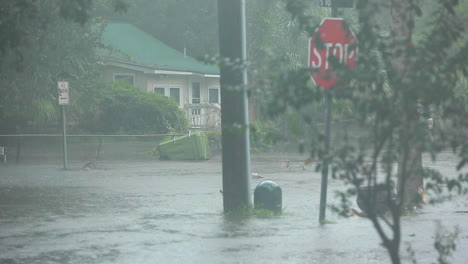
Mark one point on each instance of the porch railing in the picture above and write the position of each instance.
(204, 116)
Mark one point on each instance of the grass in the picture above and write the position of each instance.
(251, 211)
(327, 222)
(408, 213)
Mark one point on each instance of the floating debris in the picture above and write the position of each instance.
(257, 176)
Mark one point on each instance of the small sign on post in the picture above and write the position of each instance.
(63, 100)
(63, 92)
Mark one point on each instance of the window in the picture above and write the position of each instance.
(213, 94)
(126, 77)
(196, 98)
(174, 94)
(159, 90)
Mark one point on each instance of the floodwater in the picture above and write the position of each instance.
(171, 212)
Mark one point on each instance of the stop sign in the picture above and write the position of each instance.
(331, 39)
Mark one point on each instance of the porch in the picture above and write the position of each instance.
(204, 116)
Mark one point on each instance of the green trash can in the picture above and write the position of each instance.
(268, 195)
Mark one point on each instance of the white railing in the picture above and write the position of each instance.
(204, 116)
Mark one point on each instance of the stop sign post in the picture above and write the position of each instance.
(330, 39)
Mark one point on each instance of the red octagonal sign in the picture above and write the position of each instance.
(331, 39)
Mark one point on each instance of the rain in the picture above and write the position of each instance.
(233, 131)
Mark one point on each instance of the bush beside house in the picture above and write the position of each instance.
(125, 109)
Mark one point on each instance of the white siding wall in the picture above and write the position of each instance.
(168, 81)
(110, 71)
(147, 81)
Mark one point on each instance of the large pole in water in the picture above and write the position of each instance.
(234, 105)
(325, 165)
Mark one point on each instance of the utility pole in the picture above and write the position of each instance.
(234, 105)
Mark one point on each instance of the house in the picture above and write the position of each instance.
(142, 60)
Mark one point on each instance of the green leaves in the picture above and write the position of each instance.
(445, 243)
(125, 109)
(51, 49)
(408, 70)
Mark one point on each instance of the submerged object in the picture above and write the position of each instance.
(375, 199)
(268, 195)
(193, 146)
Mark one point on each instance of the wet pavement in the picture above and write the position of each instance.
(171, 212)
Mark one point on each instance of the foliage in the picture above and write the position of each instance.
(48, 49)
(214, 140)
(397, 85)
(42, 42)
(20, 19)
(124, 109)
(445, 243)
(327, 222)
(249, 211)
(271, 31)
(264, 136)
(52, 40)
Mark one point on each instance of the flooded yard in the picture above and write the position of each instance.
(171, 212)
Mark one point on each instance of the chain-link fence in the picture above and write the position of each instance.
(49, 147)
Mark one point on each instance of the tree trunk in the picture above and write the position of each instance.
(410, 160)
(395, 256)
(410, 179)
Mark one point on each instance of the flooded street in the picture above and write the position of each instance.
(101, 100)
(171, 212)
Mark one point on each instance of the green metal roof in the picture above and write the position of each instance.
(137, 47)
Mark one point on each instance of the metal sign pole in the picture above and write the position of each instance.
(65, 158)
(325, 165)
(324, 184)
(63, 100)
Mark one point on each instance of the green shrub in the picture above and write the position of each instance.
(264, 136)
(124, 109)
(214, 140)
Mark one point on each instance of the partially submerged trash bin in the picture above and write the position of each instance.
(374, 199)
(268, 195)
(190, 147)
